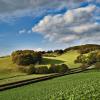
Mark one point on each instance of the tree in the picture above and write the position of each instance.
(26, 57)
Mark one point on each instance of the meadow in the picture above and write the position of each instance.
(67, 58)
(81, 86)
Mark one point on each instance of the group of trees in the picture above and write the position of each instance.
(89, 59)
(33, 69)
(53, 53)
(26, 57)
(88, 48)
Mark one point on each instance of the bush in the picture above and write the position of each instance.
(81, 59)
(61, 68)
(53, 68)
(31, 69)
(41, 70)
(26, 57)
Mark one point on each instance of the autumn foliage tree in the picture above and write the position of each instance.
(26, 57)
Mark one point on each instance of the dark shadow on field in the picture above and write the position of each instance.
(51, 61)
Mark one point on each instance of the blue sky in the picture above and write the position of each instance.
(45, 25)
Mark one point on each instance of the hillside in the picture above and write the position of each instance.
(6, 63)
(9, 69)
(66, 58)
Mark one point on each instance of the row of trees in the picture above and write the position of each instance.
(82, 49)
(33, 69)
(26, 57)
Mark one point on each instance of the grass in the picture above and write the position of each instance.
(81, 86)
(20, 78)
(6, 65)
(9, 72)
(67, 58)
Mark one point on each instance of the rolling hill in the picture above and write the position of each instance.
(9, 69)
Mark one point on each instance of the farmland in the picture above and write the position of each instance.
(82, 86)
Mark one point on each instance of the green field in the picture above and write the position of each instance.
(81, 86)
(67, 58)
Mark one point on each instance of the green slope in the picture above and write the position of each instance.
(81, 86)
(6, 63)
(67, 58)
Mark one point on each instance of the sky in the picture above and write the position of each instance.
(48, 24)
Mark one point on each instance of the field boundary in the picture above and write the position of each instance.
(39, 79)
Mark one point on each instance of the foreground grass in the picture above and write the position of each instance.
(82, 86)
(20, 78)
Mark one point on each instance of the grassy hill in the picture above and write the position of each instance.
(66, 58)
(81, 86)
(8, 69)
(6, 64)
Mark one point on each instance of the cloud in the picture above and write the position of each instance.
(22, 31)
(74, 25)
(13, 5)
(16, 8)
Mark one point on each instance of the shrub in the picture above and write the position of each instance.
(61, 68)
(31, 69)
(53, 68)
(81, 59)
(41, 70)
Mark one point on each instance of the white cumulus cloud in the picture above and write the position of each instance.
(73, 25)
